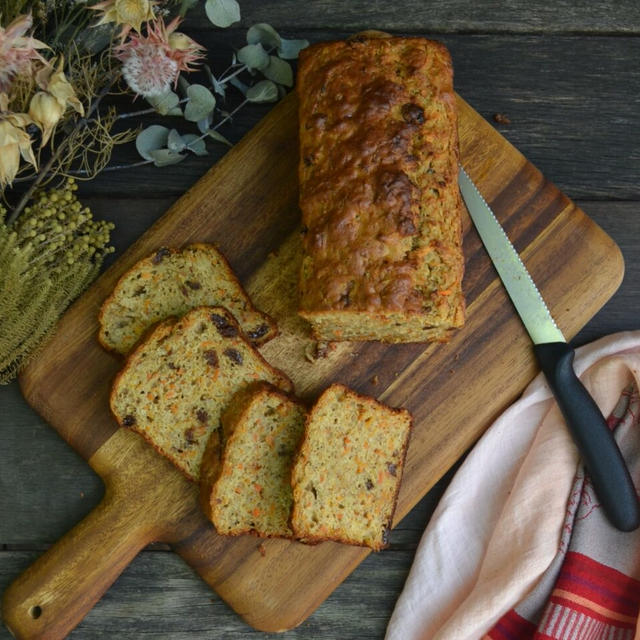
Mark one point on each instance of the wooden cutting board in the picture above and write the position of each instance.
(247, 205)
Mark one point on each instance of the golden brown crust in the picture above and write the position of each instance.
(272, 327)
(378, 189)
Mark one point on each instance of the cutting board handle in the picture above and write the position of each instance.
(51, 597)
(145, 501)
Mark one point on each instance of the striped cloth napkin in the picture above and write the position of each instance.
(518, 547)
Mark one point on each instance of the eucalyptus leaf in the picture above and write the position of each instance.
(222, 13)
(205, 123)
(263, 91)
(279, 71)
(175, 141)
(150, 139)
(183, 83)
(264, 34)
(289, 49)
(218, 137)
(166, 103)
(201, 103)
(166, 157)
(218, 87)
(254, 56)
(195, 144)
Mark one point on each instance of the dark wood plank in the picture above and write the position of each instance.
(622, 222)
(447, 17)
(567, 97)
(45, 487)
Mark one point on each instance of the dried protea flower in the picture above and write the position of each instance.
(128, 14)
(17, 51)
(45, 110)
(152, 63)
(52, 80)
(47, 259)
(14, 142)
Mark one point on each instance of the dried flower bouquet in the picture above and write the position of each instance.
(62, 62)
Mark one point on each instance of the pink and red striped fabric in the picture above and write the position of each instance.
(589, 601)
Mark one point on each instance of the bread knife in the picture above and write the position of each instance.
(600, 453)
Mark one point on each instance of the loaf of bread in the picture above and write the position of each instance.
(381, 209)
(347, 473)
(250, 490)
(169, 283)
(177, 382)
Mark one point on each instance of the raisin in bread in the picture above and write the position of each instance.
(379, 193)
(250, 490)
(347, 473)
(178, 381)
(169, 283)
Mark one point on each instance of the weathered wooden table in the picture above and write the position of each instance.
(565, 74)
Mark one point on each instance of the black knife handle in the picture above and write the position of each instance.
(596, 444)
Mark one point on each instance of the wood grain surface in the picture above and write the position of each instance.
(249, 208)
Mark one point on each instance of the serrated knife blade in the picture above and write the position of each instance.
(514, 275)
(600, 453)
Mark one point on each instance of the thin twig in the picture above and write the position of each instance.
(113, 167)
(141, 163)
(144, 112)
(228, 116)
(234, 74)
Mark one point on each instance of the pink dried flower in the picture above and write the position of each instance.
(17, 51)
(153, 62)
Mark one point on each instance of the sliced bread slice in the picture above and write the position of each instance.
(347, 473)
(250, 491)
(169, 283)
(178, 381)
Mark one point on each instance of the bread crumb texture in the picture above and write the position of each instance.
(251, 490)
(347, 473)
(378, 191)
(177, 382)
(169, 283)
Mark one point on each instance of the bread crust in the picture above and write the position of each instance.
(310, 538)
(379, 197)
(211, 467)
(272, 330)
(235, 412)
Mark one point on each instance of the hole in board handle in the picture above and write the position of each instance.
(35, 612)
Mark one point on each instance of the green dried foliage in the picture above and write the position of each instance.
(47, 259)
